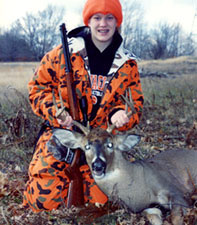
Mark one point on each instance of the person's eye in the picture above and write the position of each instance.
(110, 17)
(96, 18)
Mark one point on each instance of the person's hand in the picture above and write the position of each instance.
(66, 121)
(119, 118)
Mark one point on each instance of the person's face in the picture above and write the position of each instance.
(102, 28)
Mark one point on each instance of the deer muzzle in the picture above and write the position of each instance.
(98, 168)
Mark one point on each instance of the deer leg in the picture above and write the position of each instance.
(177, 215)
(154, 216)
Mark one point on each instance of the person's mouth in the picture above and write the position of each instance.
(103, 31)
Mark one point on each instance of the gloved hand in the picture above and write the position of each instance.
(60, 152)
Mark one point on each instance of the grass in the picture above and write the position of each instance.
(16, 74)
(170, 110)
(176, 98)
(18, 125)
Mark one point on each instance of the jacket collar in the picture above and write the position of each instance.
(77, 45)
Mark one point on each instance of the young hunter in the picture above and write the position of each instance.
(102, 71)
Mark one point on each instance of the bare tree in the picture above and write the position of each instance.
(168, 41)
(136, 36)
(13, 47)
(133, 27)
(164, 41)
(41, 30)
(187, 46)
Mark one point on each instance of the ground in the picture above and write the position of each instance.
(169, 121)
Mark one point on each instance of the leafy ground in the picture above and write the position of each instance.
(169, 121)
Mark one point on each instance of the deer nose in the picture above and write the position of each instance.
(98, 166)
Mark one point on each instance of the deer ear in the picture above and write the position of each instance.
(66, 138)
(127, 141)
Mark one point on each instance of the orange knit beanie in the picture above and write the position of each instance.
(102, 6)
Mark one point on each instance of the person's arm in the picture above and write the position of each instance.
(41, 85)
(118, 115)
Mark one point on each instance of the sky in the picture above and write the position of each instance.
(171, 11)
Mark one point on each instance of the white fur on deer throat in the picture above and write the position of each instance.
(109, 176)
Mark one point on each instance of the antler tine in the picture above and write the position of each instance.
(85, 130)
(54, 100)
(126, 108)
(110, 127)
(129, 102)
(61, 100)
(88, 125)
(59, 111)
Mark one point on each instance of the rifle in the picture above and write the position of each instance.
(75, 190)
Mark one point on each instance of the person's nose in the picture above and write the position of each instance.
(103, 22)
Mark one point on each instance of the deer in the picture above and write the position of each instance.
(167, 180)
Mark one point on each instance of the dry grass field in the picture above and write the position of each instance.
(180, 65)
(169, 121)
(16, 74)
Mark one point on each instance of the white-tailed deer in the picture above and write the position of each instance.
(169, 179)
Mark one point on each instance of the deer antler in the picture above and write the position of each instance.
(85, 130)
(128, 101)
(61, 113)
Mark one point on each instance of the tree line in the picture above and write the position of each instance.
(30, 37)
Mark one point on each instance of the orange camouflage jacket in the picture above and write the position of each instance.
(51, 76)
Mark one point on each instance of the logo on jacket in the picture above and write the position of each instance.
(97, 83)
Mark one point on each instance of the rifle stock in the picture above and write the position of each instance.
(75, 191)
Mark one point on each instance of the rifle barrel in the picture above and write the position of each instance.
(63, 30)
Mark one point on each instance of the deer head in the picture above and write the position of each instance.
(99, 146)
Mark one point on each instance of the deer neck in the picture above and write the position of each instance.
(117, 166)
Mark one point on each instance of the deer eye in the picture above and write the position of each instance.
(87, 147)
(110, 145)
